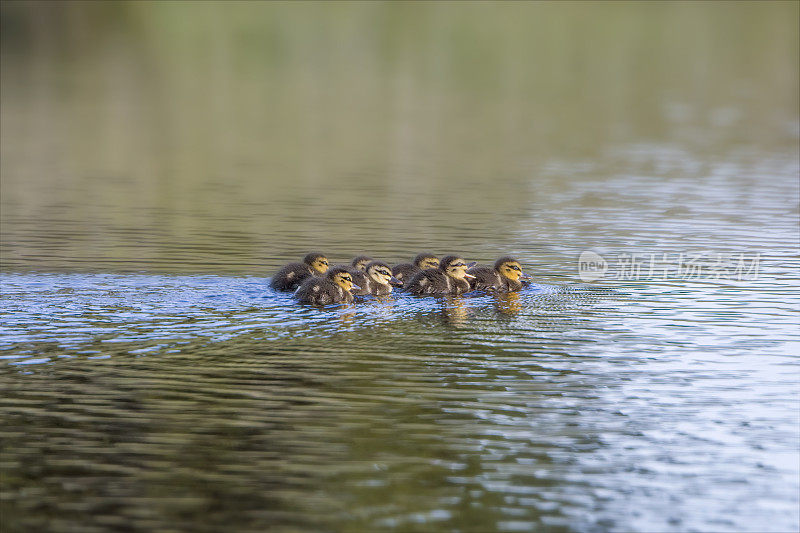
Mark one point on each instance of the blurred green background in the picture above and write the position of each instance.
(266, 128)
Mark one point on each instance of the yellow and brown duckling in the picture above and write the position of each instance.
(450, 278)
(377, 280)
(405, 271)
(334, 288)
(505, 276)
(292, 275)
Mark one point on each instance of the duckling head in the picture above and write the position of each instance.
(426, 261)
(317, 261)
(341, 277)
(510, 268)
(360, 262)
(381, 273)
(455, 267)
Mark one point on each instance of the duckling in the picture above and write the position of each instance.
(505, 276)
(450, 278)
(360, 262)
(378, 280)
(334, 288)
(405, 271)
(292, 275)
(358, 270)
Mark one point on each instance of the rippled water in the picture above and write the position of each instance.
(152, 381)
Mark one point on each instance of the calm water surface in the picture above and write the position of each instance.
(152, 381)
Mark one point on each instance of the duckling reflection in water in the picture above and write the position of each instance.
(507, 303)
(450, 278)
(334, 288)
(290, 276)
(377, 280)
(454, 311)
(405, 271)
(505, 276)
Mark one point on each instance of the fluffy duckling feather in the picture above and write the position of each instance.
(290, 276)
(358, 270)
(505, 276)
(449, 278)
(360, 262)
(334, 288)
(377, 280)
(405, 271)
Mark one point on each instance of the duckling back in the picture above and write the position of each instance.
(321, 291)
(290, 277)
(432, 282)
(486, 279)
(405, 271)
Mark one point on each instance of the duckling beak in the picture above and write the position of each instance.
(354, 287)
(469, 276)
(525, 277)
(394, 281)
(472, 264)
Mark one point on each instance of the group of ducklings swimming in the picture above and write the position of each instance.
(315, 282)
